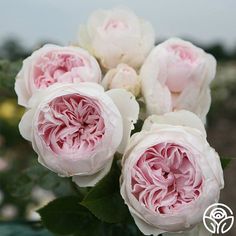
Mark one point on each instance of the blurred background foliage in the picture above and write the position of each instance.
(26, 186)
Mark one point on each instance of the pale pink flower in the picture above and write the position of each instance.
(55, 64)
(76, 128)
(170, 174)
(176, 75)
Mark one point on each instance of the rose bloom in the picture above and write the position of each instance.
(55, 64)
(176, 75)
(76, 128)
(123, 76)
(170, 174)
(117, 36)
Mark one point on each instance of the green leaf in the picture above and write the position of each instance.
(137, 126)
(66, 216)
(225, 162)
(21, 186)
(104, 200)
(8, 72)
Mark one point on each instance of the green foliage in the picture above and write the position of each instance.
(101, 212)
(105, 201)
(67, 216)
(8, 72)
(13, 50)
(22, 184)
(10, 133)
(137, 126)
(225, 162)
(223, 106)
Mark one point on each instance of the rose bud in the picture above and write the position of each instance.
(176, 75)
(117, 36)
(123, 76)
(55, 64)
(76, 128)
(170, 174)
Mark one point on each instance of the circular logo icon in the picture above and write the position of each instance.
(218, 218)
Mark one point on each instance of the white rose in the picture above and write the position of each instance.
(76, 128)
(123, 76)
(176, 75)
(117, 36)
(170, 174)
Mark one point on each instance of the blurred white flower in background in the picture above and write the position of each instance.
(4, 165)
(8, 212)
(41, 197)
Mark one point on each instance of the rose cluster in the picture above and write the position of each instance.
(82, 102)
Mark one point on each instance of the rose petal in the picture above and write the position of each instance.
(129, 109)
(181, 118)
(145, 228)
(25, 125)
(91, 180)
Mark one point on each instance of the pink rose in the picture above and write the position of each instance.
(170, 174)
(76, 128)
(55, 64)
(176, 75)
